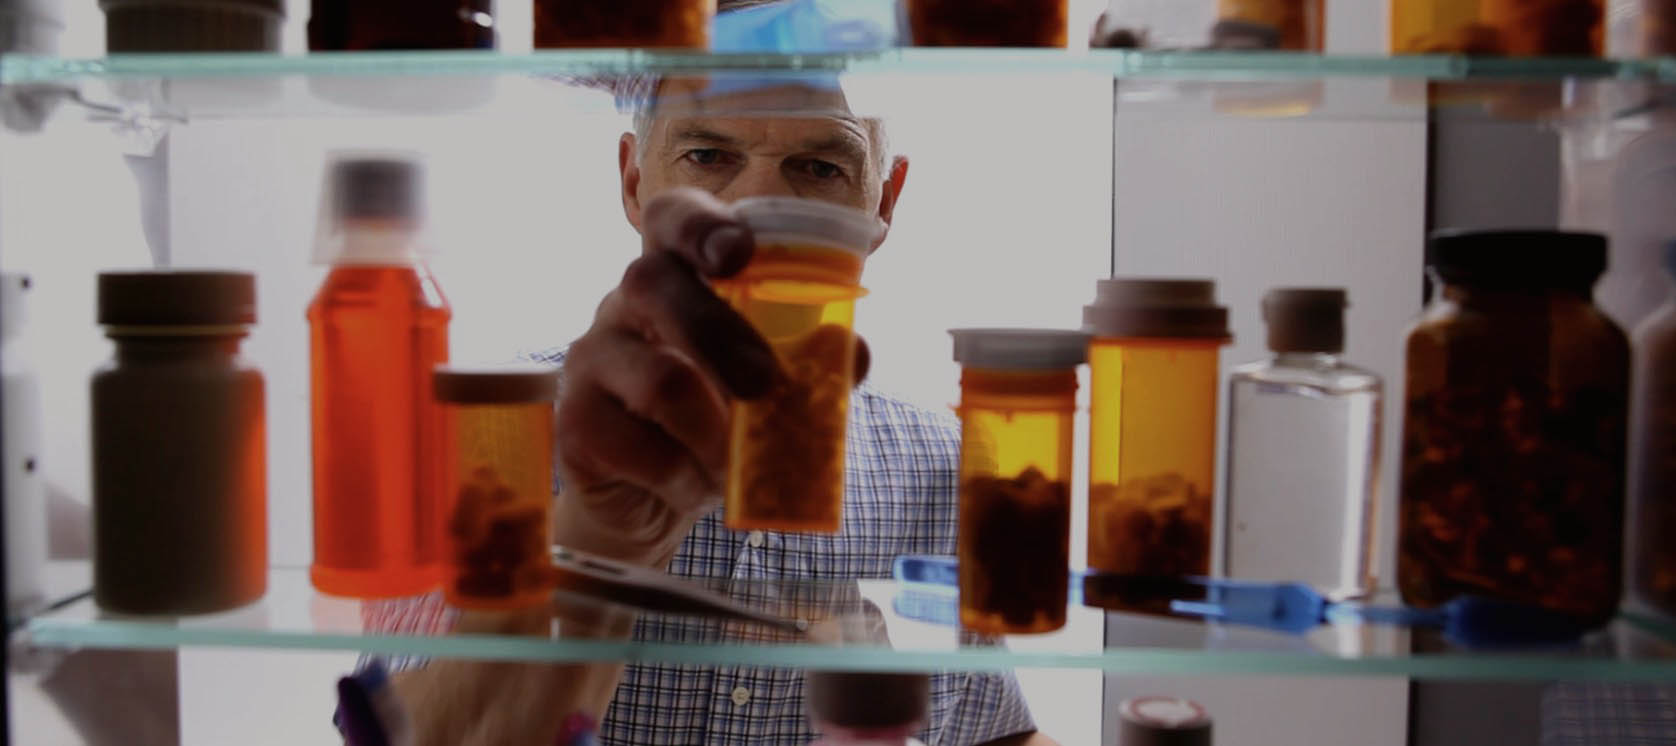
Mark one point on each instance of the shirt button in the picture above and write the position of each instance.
(754, 539)
(741, 696)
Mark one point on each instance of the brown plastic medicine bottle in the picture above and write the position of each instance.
(179, 448)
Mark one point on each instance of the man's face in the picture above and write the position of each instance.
(814, 150)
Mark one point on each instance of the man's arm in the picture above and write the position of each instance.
(642, 427)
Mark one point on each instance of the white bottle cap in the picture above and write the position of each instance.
(1020, 349)
(822, 223)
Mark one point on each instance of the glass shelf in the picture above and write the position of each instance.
(1125, 64)
(293, 617)
(183, 87)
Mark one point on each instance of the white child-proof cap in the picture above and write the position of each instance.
(1020, 349)
(823, 223)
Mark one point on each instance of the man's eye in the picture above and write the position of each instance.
(704, 156)
(822, 169)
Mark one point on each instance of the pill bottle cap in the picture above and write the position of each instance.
(1305, 319)
(1518, 259)
(199, 26)
(177, 298)
(1162, 308)
(823, 223)
(512, 384)
(1163, 721)
(372, 207)
(1020, 349)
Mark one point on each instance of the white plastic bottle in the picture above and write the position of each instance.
(25, 499)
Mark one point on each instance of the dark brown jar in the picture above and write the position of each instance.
(179, 453)
(668, 24)
(987, 23)
(369, 25)
(1513, 441)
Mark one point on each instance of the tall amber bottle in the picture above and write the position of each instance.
(376, 329)
(1153, 367)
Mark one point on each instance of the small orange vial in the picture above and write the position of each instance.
(500, 479)
(1018, 391)
(1153, 370)
(786, 451)
(376, 329)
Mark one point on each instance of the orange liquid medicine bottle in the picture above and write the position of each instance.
(377, 327)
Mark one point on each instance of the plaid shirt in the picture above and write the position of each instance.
(1604, 713)
(899, 498)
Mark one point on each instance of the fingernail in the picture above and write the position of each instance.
(727, 249)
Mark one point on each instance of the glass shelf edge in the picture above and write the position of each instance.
(1117, 661)
(1120, 64)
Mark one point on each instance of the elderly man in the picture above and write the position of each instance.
(642, 430)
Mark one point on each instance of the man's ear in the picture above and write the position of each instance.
(628, 167)
(894, 179)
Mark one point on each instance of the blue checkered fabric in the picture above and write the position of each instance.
(1609, 714)
(900, 498)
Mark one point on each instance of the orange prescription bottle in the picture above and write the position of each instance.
(1498, 27)
(1018, 391)
(1153, 367)
(786, 450)
(376, 329)
(499, 473)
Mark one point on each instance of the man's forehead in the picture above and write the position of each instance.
(814, 133)
(701, 97)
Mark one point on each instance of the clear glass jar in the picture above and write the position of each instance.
(1018, 392)
(1153, 367)
(499, 467)
(1303, 453)
(1513, 439)
(786, 449)
(1498, 27)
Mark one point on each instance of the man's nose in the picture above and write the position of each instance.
(759, 178)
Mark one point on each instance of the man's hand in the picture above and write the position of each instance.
(643, 418)
(504, 703)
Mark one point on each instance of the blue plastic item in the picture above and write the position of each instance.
(1292, 608)
(799, 27)
(808, 27)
